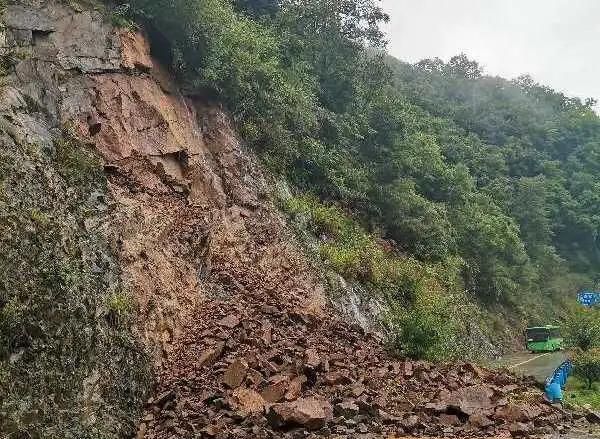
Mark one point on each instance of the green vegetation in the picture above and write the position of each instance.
(488, 182)
(67, 369)
(437, 325)
(579, 393)
(583, 329)
(587, 366)
(583, 336)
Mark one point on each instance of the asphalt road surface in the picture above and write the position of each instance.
(539, 365)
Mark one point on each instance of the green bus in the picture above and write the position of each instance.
(543, 339)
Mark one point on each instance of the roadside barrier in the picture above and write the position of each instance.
(555, 383)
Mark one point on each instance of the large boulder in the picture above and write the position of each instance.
(309, 413)
(471, 400)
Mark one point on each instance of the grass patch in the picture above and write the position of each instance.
(576, 393)
(349, 250)
(76, 163)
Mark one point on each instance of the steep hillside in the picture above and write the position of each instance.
(438, 192)
(151, 287)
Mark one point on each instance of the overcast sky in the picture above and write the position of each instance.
(555, 41)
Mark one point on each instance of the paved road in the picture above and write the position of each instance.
(539, 366)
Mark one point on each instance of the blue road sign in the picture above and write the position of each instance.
(589, 298)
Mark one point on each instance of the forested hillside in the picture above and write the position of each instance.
(485, 188)
(245, 220)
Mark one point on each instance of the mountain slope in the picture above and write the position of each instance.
(140, 236)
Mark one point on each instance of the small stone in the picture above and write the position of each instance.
(236, 373)
(231, 321)
(312, 358)
(346, 409)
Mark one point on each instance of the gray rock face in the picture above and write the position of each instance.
(28, 17)
(66, 376)
(84, 40)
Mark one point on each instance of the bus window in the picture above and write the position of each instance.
(537, 334)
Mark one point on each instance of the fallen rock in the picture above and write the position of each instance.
(210, 355)
(275, 391)
(519, 429)
(357, 390)
(408, 369)
(163, 398)
(236, 373)
(230, 321)
(470, 400)
(436, 407)
(247, 400)
(479, 420)
(335, 378)
(518, 412)
(593, 416)
(347, 409)
(310, 413)
(294, 390)
(450, 420)
(410, 423)
(312, 358)
(267, 333)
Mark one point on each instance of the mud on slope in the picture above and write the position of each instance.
(242, 340)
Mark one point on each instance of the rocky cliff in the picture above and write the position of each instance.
(151, 288)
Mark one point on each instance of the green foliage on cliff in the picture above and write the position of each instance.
(497, 179)
(67, 369)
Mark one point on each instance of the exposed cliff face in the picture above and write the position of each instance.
(174, 216)
(187, 218)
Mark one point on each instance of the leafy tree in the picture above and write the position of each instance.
(587, 366)
(258, 8)
(583, 329)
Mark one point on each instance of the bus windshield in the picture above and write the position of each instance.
(537, 334)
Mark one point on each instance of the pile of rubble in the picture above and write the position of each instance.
(251, 367)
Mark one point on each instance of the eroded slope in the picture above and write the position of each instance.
(234, 318)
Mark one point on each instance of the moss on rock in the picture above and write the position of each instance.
(68, 369)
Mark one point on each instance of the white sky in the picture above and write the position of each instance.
(555, 41)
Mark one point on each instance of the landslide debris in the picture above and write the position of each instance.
(319, 376)
(242, 339)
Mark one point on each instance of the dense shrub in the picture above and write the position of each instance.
(426, 329)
